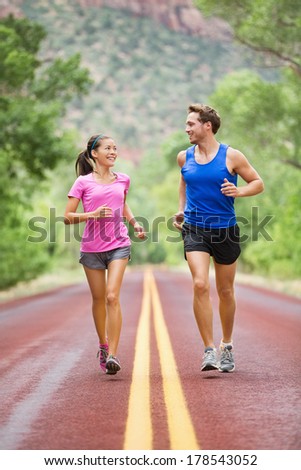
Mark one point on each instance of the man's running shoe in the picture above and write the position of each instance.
(226, 359)
(209, 360)
(103, 354)
(112, 365)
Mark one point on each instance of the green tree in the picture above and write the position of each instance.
(272, 27)
(33, 100)
(263, 119)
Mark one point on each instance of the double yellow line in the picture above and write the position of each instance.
(139, 432)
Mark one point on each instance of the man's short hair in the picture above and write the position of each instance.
(206, 114)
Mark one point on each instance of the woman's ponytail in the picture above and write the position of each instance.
(84, 163)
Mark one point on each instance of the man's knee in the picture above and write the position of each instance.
(226, 293)
(201, 286)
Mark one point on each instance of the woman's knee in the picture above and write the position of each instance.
(112, 298)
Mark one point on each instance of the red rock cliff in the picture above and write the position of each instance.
(177, 15)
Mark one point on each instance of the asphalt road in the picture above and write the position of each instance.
(53, 395)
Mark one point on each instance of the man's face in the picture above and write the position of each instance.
(194, 128)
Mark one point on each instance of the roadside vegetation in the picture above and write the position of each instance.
(135, 79)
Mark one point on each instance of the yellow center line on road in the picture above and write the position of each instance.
(138, 434)
(181, 431)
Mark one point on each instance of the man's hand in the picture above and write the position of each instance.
(229, 189)
(178, 220)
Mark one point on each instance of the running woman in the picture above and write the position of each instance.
(206, 217)
(105, 245)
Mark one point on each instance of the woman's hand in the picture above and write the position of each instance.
(102, 212)
(139, 231)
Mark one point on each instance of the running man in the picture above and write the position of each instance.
(206, 217)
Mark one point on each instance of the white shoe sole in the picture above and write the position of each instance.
(225, 370)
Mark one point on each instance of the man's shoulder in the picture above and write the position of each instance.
(182, 155)
(181, 158)
(234, 153)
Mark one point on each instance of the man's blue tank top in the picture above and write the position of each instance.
(206, 206)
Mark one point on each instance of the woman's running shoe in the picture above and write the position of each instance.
(103, 355)
(112, 365)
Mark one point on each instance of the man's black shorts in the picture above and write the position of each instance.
(221, 243)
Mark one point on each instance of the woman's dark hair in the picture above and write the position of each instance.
(85, 163)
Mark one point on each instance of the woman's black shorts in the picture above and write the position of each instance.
(221, 243)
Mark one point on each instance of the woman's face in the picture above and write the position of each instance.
(106, 153)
